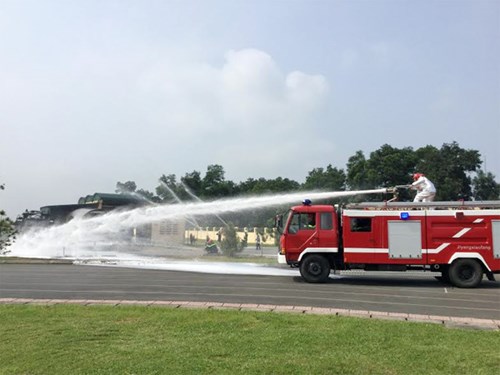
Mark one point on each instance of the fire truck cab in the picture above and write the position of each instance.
(460, 240)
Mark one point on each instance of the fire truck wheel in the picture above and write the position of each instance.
(315, 269)
(465, 273)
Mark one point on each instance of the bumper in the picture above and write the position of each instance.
(281, 259)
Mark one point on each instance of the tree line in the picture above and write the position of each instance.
(455, 171)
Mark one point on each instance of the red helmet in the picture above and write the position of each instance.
(416, 176)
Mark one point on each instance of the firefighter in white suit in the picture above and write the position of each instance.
(426, 191)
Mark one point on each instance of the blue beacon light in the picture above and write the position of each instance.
(404, 215)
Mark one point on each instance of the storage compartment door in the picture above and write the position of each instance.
(405, 239)
(495, 229)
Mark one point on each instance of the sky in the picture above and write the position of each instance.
(98, 91)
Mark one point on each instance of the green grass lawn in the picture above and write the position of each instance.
(73, 339)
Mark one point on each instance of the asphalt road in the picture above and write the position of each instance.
(410, 293)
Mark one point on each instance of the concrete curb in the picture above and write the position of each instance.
(452, 322)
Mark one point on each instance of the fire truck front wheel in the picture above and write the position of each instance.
(315, 269)
(465, 273)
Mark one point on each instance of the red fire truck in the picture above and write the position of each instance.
(460, 240)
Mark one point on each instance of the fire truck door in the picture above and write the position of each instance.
(360, 233)
(405, 239)
(301, 234)
(327, 233)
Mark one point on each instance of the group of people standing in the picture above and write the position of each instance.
(211, 244)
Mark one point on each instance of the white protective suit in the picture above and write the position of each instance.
(426, 191)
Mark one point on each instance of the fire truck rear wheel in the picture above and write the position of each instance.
(315, 269)
(465, 273)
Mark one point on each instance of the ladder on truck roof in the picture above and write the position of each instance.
(458, 205)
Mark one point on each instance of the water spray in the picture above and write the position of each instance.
(105, 236)
(192, 195)
(191, 221)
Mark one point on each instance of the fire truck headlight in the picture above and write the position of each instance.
(404, 215)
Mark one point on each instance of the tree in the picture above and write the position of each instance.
(168, 190)
(356, 172)
(449, 168)
(192, 181)
(214, 184)
(230, 243)
(359, 177)
(148, 195)
(7, 229)
(485, 187)
(257, 217)
(389, 166)
(332, 179)
(125, 187)
(264, 186)
(172, 191)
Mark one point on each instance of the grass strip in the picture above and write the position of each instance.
(99, 339)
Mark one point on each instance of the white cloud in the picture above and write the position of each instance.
(306, 91)
(248, 92)
(251, 72)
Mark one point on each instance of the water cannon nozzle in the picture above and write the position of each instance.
(394, 189)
